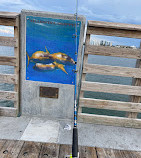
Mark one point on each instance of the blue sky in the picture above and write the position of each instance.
(124, 11)
(127, 11)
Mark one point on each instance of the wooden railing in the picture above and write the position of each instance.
(10, 19)
(134, 106)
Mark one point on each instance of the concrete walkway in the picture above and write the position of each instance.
(52, 131)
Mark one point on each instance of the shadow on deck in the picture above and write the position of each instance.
(24, 149)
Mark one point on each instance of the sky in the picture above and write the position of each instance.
(124, 11)
(127, 11)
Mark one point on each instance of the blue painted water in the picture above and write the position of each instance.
(56, 35)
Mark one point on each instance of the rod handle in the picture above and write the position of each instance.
(75, 143)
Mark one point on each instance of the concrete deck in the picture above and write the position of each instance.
(52, 131)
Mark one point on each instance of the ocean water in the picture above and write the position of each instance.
(4, 69)
(114, 61)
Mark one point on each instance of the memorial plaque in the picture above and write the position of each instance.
(49, 92)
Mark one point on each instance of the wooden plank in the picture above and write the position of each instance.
(111, 88)
(5, 60)
(122, 26)
(8, 18)
(85, 60)
(17, 67)
(11, 149)
(109, 120)
(8, 41)
(87, 152)
(8, 95)
(30, 150)
(49, 150)
(136, 82)
(9, 14)
(136, 154)
(112, 70)
(105, 153)
(113, 51)
(125, 153)
(7, 21)
(7, 78)
(65, 150)
(8, 111)
(109, 104)
(2, 142)
(114, 32)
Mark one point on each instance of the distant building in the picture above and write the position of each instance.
(122, 46)
(97, 42)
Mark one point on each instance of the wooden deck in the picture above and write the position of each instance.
(22, 149)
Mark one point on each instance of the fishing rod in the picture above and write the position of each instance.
(75, 153)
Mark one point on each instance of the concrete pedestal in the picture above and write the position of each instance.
(31, 103)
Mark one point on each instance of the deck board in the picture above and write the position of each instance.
(30, 150)
(11, 149)
(2, 142)
(64, 150)
(49, 150)
(127, 154)
(86, 152)
(105, 153)
(24, 149)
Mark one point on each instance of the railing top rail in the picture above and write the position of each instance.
(12, 15)
(120, 26)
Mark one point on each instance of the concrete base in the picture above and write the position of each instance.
(52, 131)
(13, 128)
(41, 130)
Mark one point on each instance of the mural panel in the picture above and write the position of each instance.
(50, 49)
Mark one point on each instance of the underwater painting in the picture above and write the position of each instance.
(51, 49)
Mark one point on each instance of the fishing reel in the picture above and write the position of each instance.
(70, 156)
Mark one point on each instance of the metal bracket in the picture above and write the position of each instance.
(68, 156)
(74, 35)
(75, 71)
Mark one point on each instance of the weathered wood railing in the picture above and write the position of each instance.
(10, 19)
(134, 106)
